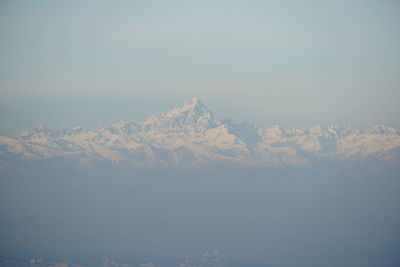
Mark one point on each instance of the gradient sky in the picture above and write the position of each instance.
(294, 63)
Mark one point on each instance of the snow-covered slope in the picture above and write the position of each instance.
(190, 137)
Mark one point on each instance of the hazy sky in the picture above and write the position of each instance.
(294, 63)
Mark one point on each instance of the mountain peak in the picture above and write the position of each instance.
(39, 131)
(195, 101)
(192, 115)
(382, 130)
(194, 104)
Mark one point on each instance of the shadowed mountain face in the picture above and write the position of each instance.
(189, 137)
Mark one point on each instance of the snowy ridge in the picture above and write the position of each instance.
(190, 137)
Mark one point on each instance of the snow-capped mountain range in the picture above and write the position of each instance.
(191, 137)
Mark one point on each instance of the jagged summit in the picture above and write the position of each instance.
(193, 107)
(195, 103)
(192, 116)
(40, 131)
(382, 129)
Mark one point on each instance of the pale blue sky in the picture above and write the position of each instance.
(294, 63)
